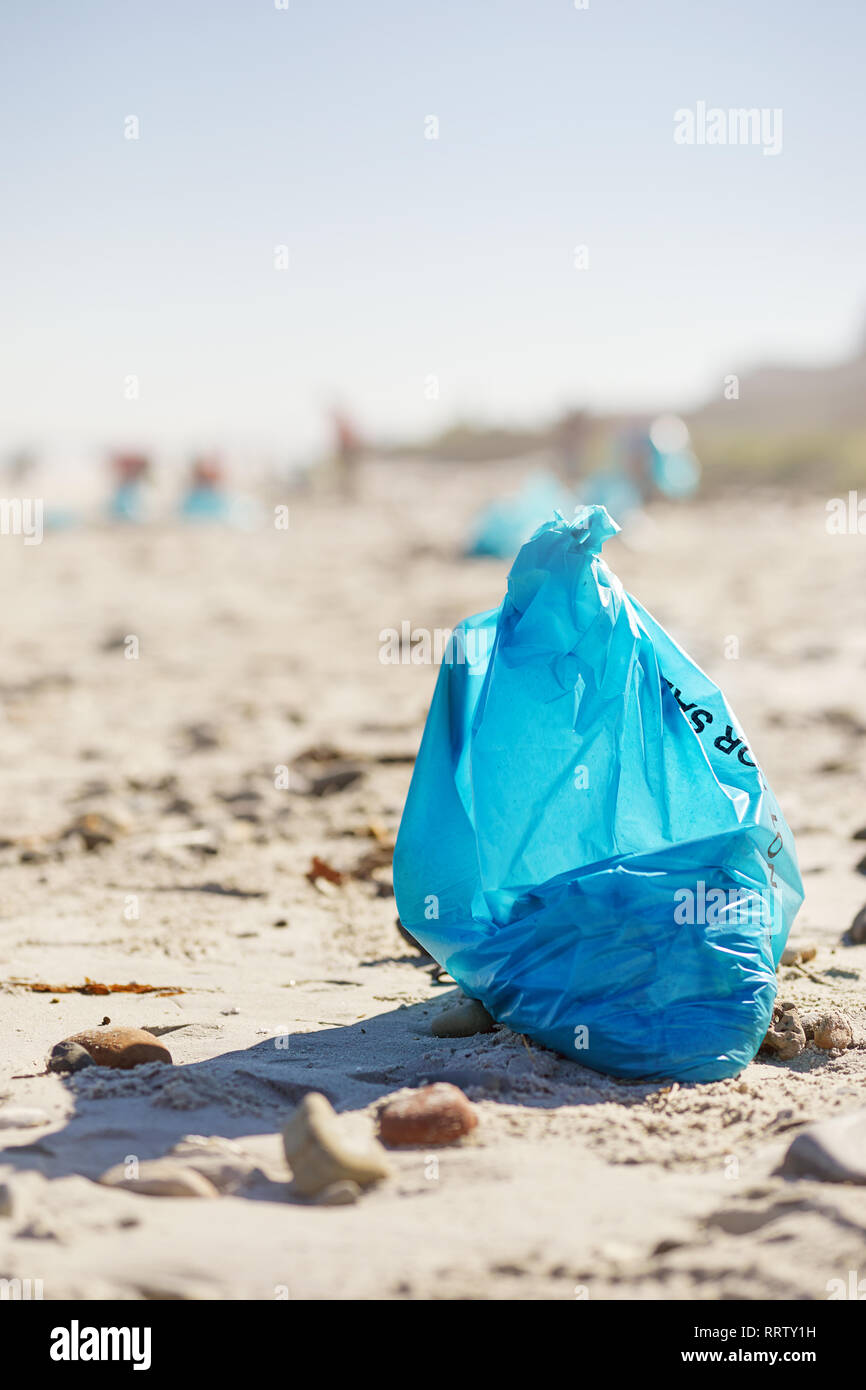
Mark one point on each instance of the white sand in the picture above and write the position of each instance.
(572, 1182)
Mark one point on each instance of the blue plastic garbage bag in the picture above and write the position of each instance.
(588, 846)
(127, 503)
(205, 504)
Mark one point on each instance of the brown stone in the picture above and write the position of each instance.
(832, 1030)
(786, 1037)
(432, 1115)
(121, 1047)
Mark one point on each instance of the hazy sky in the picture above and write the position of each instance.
(411, 257)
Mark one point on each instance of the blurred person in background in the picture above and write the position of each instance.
(348, 450)
(571, 435)
(205, 498)
(131, 473)
(20, 466)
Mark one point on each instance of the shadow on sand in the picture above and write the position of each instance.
(251, 1091)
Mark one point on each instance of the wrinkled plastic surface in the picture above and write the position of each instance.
(587, 845)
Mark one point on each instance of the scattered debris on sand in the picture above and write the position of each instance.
(95, 987)
(281, 987)
(321, 869)
(322, 770)
(94, 829)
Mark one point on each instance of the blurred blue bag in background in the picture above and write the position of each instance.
(502, 527)
(587, 845)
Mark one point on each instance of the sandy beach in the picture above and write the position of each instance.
(147, 836)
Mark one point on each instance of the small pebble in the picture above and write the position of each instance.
(796, 955)
(432, 1115)
(463, 1020)
(319, 1154)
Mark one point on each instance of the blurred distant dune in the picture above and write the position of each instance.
(803, 426)
(776, 398)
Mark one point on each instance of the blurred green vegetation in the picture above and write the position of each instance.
(825, 461)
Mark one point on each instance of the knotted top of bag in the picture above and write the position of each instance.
(590, 527)
(558, 584)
